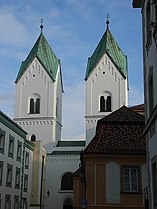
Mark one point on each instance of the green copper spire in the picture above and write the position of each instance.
(43, 52)
(109, 46)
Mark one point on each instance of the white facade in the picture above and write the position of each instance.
(105, 80)
(15, 170)
(149, 23)
(36, 83)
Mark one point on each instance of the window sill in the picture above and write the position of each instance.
(65, 191)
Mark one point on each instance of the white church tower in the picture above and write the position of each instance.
(106, 82)
(38, 107)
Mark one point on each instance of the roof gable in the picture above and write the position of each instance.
(43, 52)
(107, 45)
(119, 132)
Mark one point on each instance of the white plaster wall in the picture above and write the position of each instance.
(46, 126)
(11, 190)
(55, 168)
(112, 183)
(104, 78)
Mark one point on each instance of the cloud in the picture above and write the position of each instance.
(74, 111)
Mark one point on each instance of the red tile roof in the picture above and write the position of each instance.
(119, 132)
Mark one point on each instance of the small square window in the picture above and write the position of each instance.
(19, 150)
(2, 141)
(130, 179)
(11, 146)
(1, 172)
(17, 178)
(9, 175)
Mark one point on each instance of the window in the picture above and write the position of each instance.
(34, 104)
(67, 182)
(9, 175)
(19, 150)
(130, 179)
(0, 202)
(16, 202)
(148, 18)
(26, 160)
(1, 172)
(17, 178)
(33, 138)
(7, 201)
(2, 140)
(105, 103)
(25, 182)
(150, 90)
(154, 181)
(11, 146)
(25, 203)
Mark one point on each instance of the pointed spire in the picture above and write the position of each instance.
(41, 25)
(107, 21)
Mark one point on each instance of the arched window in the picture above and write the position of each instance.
(102, 104)
(33, 138)
(34, 104)
(105, 102)
(37, 109)
(31, 106)
(67, 182)
(108, 104)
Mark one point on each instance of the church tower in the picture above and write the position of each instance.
(38, 105)
(106, 82)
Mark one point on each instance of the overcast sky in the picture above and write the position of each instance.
(73, 28)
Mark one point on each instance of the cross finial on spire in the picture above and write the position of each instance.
(107, 21)
(41, 25)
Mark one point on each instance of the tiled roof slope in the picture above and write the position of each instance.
(119, 132)
(107, 45)
(46, 56)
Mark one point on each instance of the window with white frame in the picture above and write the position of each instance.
(19, 150)
(67, 182)
(25, 182)
(1, 172)
(11, 146)
(9, 175)
(34, 104)
(16, 202)
(27, 160)
(2, 141)
(17, 178)
(105, 103)
(7, 201)
(130, 179)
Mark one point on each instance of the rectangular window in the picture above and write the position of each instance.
(151, 90)
(0, 202)
(25, 203)
(9, 175)
(11, 146)
(2, 141)
(19, 150)
(26, 160)
(25, 182)
(130, 179)
(16, 202)
(1, 172)
(7, 201)
(154, 181)
(17, 178)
